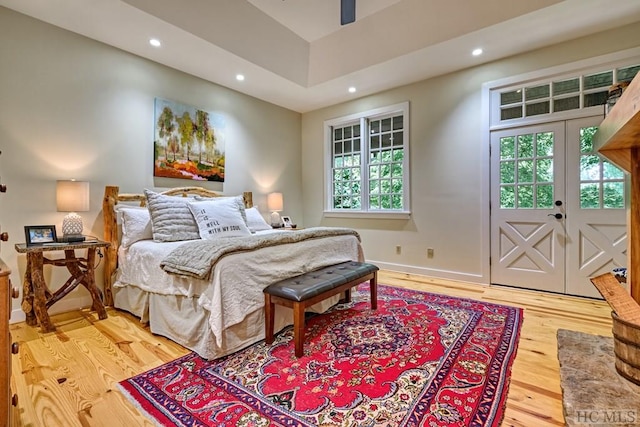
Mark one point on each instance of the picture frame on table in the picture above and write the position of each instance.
(40, 234)
(286, 221)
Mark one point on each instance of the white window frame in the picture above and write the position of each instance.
(579, 69)
(364, 119)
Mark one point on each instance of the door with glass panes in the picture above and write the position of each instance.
(527, 240)
(557, 208)
(596, 214)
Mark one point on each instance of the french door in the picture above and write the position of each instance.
(557, 209)
(597, 194)
(527, 192)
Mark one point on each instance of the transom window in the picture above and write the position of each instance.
(368, 160)
(562, 94)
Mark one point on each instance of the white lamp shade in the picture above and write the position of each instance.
(72, 196)
(275, 202)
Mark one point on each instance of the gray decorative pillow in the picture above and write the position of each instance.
(171, 219)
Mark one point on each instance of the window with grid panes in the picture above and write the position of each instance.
(526, 171)
(601, 182)
(563, 94)
(368, 167)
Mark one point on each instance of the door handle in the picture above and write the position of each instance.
(556, 215)
(558, 203)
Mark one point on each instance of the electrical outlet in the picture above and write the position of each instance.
(429, 252)
(398, 250)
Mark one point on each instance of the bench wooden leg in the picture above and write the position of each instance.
(268, 319)
(373, 289)
(325, 290)
(298, 327)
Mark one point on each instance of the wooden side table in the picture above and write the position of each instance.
(36, 296)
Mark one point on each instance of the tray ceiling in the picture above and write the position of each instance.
(295, 53)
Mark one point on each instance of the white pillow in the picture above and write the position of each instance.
(136, 225)
(171, 219)
(218, 218)
(255, 220)
(238, 200)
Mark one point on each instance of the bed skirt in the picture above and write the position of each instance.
(182, 320)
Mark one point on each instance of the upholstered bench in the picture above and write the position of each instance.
(303, 291)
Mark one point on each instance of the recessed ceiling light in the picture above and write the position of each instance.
(476, 52)
(239, 77)
(352, 89)
(155, 42)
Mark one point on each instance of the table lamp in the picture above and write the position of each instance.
(72, 196)
(275, 204)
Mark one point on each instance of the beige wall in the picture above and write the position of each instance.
(71, 107)
(448, 160)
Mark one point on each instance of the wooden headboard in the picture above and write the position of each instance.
(112, 197)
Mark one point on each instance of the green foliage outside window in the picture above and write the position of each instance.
(384, 172)
(526, 171)
(385, 179)
(544, 196)
(601, 183)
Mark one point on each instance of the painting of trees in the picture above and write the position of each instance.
(165, 124)
(173, 145)
(188, 143)
(186, 131)
(202, 126)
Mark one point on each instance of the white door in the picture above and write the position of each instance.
(596, 215)
(527, 240)
(554, 223)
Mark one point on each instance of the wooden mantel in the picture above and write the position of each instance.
(618, 139)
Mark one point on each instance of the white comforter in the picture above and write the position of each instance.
(235, 287)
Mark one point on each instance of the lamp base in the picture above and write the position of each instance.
(71, 238)
(276, 221)
(72, 224)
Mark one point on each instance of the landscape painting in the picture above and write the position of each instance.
(188, 143)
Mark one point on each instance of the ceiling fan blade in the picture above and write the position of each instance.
(347, 11)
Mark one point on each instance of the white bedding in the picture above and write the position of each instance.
(234, 292)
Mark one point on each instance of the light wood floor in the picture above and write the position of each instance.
(69, 377)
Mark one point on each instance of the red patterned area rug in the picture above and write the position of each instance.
(420, 359)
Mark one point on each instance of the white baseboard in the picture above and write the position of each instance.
(64, 305)
(431, 272)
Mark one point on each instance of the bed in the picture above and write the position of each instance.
(206, 293)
